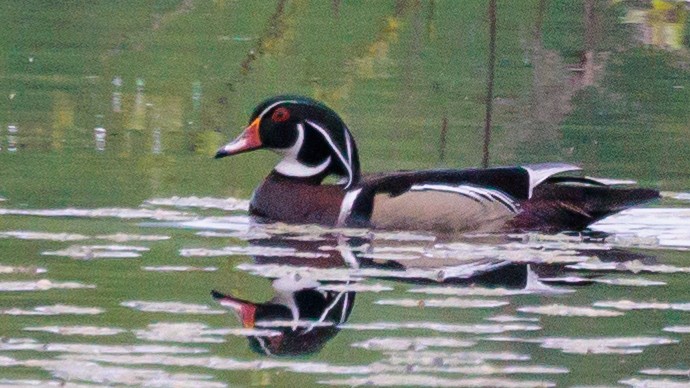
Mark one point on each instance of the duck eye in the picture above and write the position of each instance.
(280, 115)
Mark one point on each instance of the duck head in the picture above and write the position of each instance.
(312, 139)
(301, 317)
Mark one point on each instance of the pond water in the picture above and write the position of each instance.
(127, 256)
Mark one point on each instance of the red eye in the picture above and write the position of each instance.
(280, 115)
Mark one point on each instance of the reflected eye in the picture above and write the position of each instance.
(280, 115)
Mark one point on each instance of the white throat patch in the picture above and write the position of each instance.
(291, 166)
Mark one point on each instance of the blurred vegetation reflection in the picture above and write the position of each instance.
(144, 91)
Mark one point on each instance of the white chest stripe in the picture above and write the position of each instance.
(479, 194)
(346, 206)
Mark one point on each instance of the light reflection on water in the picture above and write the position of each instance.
(449, 311)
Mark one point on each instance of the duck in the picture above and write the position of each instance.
(315, 144)
(295, 303)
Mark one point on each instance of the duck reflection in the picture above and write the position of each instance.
(303, 313)
(314, 288)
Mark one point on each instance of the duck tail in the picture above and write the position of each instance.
(575, 204)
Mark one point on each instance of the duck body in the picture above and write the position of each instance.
(315, 144)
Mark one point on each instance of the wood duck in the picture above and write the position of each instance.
(302, 317)
(315, 143)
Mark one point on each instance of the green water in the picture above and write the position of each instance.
(170, 81)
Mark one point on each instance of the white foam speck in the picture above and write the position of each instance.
(446, 303)
(510, 318)
(240, 235)
(655, 383)
(170, 307)
(232, 223)
(178, 268)
(78, 330)
(666, 372)
(123, 213)
(292, 323)
(438, 274)
(16, 383)
(678, 329)
(58, 309)
(41, 285)
(632, 305)
(634, 266)
(181, 332)
(470, 291)
(649, 228)
(569, 311)
(125, 237)
(628, 282)
(442, 327)
(524, 253)
(30, 235)
(7, 361)
(48, 236)
(90, 252)
(10, 344)
(249, 251)
(402, 236)
(604, 345)
(451, 358)
(229, 204)
(72, 370)
(355, 287)
(25, 270)
(218, 363)
(389, 256)
(419, 380)
(682, 196)
(487, 369)
(412, 343)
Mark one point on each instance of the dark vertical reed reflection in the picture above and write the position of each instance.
(430, 20)
(275, 30)
(442, 139)
(590, 42)
(335, 6)
(490, 82)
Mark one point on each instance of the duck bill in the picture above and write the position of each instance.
(248, 140)
(244, 310)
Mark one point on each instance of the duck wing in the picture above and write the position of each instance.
(516, 181)
(530, 197)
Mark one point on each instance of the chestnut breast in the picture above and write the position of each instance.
(297, 201)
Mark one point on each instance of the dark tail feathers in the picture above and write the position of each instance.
(558, 206)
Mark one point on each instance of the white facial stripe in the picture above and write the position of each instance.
(347, 163)
(290, 166)
(327, 310)
(261, 115)
(262, 343)
(292, 152)
(348, 142)
(346, 206)
(343, 311)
